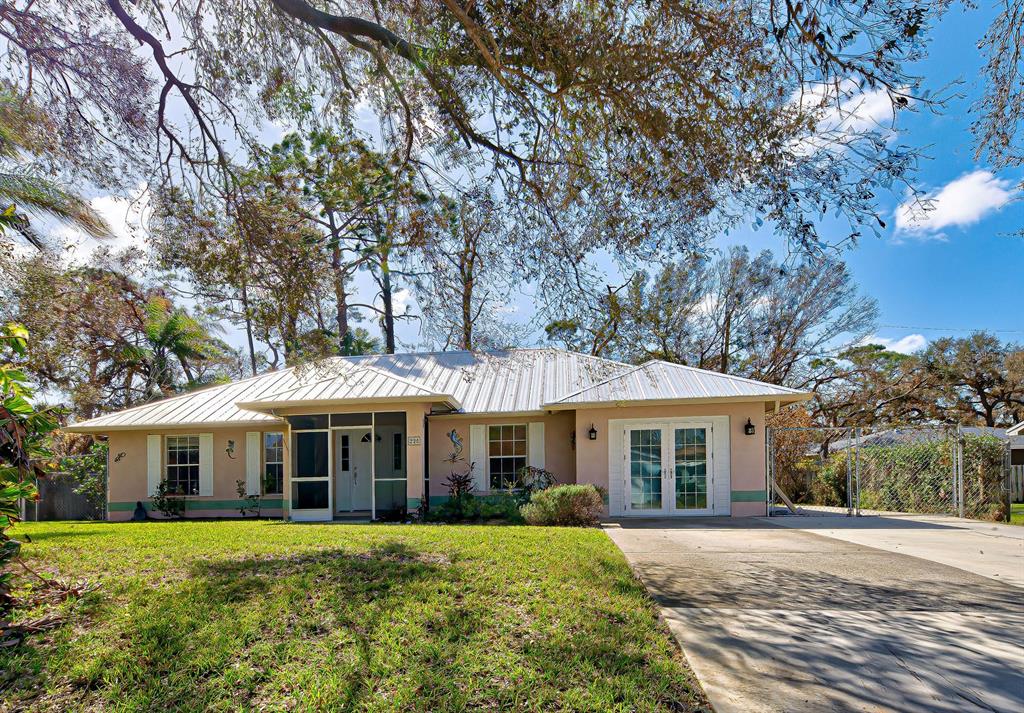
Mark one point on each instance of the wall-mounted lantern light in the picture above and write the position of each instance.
(749, 428)
(592, 433)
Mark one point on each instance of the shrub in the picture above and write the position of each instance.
(167, 503)
(470, 508)
(829, 488)
(571, 505)
(530, 480)
(249, 503)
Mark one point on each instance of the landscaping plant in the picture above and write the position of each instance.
(250, 503)
(88, 472)
(567, 505)
(169, 504)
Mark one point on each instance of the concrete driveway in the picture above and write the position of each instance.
(773, 617)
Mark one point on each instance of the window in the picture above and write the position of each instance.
(273, 463)
(345, 453)
(506, 450)
(397, 450)
(183, 465)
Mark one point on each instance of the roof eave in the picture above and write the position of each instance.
(270, 407)
(783, 399)
(99, 428)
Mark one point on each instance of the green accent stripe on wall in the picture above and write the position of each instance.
(748, 496)
(412, 503)
(436, 500)
(197, 504)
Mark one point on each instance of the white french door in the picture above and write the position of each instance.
(668, 469)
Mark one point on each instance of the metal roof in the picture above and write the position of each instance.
(663, 381)
(344, 380)
(513, 381)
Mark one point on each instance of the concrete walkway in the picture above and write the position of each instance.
(773, 617)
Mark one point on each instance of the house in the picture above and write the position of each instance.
(375, 435)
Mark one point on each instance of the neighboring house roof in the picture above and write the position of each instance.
(513, 381)
(1017, 430)
(664, 381)
(912, 434)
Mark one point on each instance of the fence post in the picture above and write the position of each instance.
(1006, 481)
(860, 433)
(768, 477)
(960, 469)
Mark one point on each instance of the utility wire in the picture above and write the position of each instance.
(950, 329)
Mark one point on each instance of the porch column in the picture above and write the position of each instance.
(415, 454)
(286, 488)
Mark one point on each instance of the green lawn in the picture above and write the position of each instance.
(267, 615)
(1017, 514)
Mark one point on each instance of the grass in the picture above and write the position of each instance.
(271, 616)
(1017, 514)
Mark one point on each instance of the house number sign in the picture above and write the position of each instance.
(415, 440)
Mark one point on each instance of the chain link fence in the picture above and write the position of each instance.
(918, 469)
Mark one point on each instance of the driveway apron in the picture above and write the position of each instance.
(779, 619)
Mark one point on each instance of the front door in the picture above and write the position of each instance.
(667, 469)
(352, 470)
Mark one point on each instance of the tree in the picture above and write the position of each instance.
(342, 183)
(23, 432)
(255, 257)
(468, 272)
(981, 380)
(739, 314)
(1000, 111)
(653, 117)
(106, 341)
(174, 339)
(867, 385)
(26, 193)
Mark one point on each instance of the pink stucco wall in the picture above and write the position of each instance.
(127, 470)
(746, 453)
(584, 462)
(559, 456)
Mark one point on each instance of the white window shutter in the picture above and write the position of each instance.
(206, 464)
(252, 463)
(535, 444)
(478, 455)
(154, 463)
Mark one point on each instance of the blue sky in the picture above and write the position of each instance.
(961, 277)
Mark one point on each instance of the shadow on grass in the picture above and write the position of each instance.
(54, 535)
(395, 626)
(324, 609)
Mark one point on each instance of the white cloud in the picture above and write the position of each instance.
(127, 219)
(904, 345)
(961, 202)
(401, 301)
(844, 111)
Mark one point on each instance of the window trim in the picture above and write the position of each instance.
(264, 462)
(487, 445)
(198, 464)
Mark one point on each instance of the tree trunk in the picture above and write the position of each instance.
(725, 342)
(248, 326)
(340, 297)
(388, 320)
(466, 268)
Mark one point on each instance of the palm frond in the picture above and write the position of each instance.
(26, 192)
